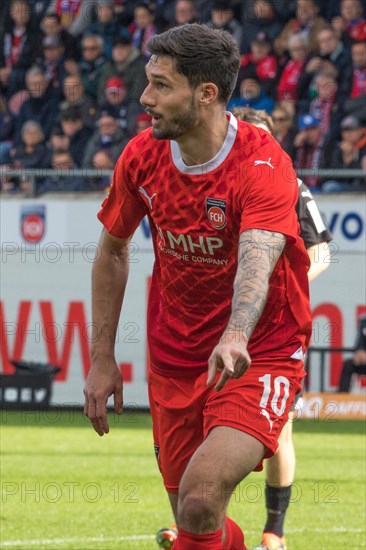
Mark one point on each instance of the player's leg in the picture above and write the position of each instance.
(346, 375)
(176, 412)
(242, 425)
(280, 473)
(281, 466)
(225, 458)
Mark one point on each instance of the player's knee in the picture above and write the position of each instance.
(197, 514)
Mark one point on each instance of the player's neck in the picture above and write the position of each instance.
(203, 144)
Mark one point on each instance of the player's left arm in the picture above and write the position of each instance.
(258, 254)
(319, 259)
(314, 230)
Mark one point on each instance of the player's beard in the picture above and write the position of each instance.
(178, 125)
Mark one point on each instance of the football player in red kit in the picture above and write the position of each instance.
(228, 314)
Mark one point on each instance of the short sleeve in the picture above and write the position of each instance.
(122, 210)
(270, 191)
(313, 228)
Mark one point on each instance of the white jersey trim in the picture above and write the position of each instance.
(209, 166)
(299, 354)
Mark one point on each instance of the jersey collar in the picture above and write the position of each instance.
(212, 164)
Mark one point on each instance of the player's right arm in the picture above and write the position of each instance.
(258, 254)
(109, 279)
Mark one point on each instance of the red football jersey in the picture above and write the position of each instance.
(196, 215)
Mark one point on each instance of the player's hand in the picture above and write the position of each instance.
(231, 358)
(104, 379)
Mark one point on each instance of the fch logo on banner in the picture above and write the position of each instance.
(33, 223)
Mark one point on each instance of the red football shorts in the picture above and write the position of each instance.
(185, 410)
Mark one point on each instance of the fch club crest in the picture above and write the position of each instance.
(216, 212)
(33, 223)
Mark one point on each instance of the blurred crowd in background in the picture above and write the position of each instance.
(72, 73)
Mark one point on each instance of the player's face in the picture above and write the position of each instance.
(169, 99)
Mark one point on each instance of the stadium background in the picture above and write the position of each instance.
(46, 262)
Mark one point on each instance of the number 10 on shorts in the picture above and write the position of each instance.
(281, 385)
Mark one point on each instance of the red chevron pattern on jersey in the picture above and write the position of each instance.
(196, 215)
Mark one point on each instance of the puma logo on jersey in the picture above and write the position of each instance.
(268, 162)
(266, 415)
(149, 199)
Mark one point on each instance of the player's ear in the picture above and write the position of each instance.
(208, 93)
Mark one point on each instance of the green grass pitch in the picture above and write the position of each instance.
(63, 487)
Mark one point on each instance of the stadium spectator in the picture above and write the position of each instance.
(32, 152)
(75, 96)
(184, 12)
(20, 45)
(108, 138)
(356, 104)
(332, 50)
(7, 126)
(51, 27)
(312, 150)
(288, 86)
(58, 141)
(262, 61)
(259, 16)
(356, 365)
(283, 129)
(307, 21)
(107, 25)
(166, 13)
(323, 104)
(91, 64)
(41, 105)
(62, 160)
(249, 300)
(143, 122)
(351, 25)
(349, 153)
(127, 63)
(78, 134)
(52, 63)
(75, 15)
(222, 17)
(253, 95)
(116, 102)
(359, 69)
(144, 18)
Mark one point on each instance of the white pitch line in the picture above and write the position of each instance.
(9, 543)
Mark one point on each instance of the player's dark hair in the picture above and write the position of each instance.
(202, 55)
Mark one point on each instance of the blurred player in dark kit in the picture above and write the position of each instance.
(280, 471)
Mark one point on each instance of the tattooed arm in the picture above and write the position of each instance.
(259, 252)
